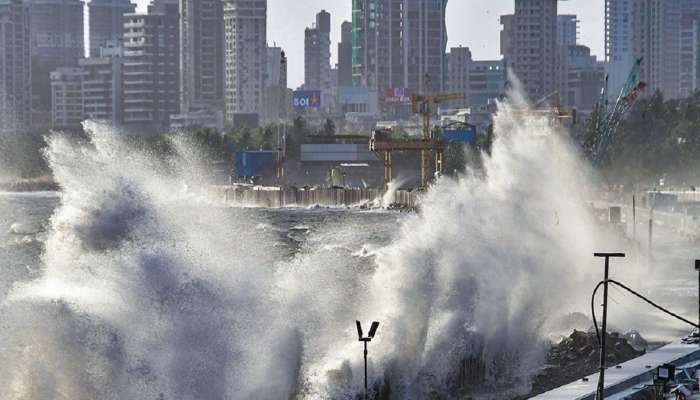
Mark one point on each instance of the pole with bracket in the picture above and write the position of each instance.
(600, 393)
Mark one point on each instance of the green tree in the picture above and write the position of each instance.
(328, 127)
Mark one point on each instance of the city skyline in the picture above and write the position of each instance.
(480, 29)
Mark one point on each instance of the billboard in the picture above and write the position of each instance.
(307, 98)
(397, 96)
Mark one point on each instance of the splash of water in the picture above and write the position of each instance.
(478, 274)
(149, 293)
(144, 292)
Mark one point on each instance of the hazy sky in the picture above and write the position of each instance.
(470, 23)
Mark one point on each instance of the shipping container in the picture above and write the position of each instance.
(337, 153)
(461, 134)
(255, 163)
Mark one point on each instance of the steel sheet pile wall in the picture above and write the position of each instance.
(256, 196)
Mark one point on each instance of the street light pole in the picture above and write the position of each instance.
(697, 268)
(600, 393)
(365, 340)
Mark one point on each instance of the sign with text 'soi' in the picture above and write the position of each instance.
(307, 98)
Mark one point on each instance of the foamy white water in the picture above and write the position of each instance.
(149, 292)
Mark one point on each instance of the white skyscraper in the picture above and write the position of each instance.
(245, 27)
(151, 66)
(619, 54)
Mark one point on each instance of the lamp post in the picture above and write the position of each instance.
(697, 268)
(365, 340)
(600, 395)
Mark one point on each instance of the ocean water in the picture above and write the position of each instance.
(133, 284)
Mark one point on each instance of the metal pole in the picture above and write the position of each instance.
(601, 380)
(366, 370)
(697, 268)
(600, 394)
(634, 218)
(651, 236)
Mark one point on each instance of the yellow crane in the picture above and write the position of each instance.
(421, 104)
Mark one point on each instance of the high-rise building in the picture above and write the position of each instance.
(567, 30)
(581, 75)
(345, 55)
(66, 98)
(582, 80)
(425, 42)
(106, 22)
(151, 66)
(619, 54)
(57, 33)
(57, 40)
(482, 82)
(689, 80)
(458, 66)
(245, 27)
(529, 45)
(276, 102)
(317, 53)
(202, 55)
(399, 43)
(657, 31)
(15, 67)
(102, 85)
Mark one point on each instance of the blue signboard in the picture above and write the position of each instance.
(462, 134)
(307, 98)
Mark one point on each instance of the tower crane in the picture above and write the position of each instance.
(607, 120)
(421, 104)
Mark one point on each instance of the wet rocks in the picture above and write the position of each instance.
(577, 356)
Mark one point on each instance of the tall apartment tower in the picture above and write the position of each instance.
(57, 34)
(619, 54)
(151, 66)
(425, 41)
(102, 85)
(317, 53)
(481, 81)
(659, 31)
(106, 22)
(57, 40)
(689, 80)
(345, 55)
(15, 67)
(245, 27)
(459, 61)
(567, 30)
(399, 43)
(202, 55)
(276, 103)
(529, 45)
(66, 98)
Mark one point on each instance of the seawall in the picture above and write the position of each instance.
(277, 197)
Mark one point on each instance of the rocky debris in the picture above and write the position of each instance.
(636, 340)
(578, 356)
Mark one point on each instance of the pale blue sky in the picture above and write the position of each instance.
(470, 23)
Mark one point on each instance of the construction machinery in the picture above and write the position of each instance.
(420, 104)
(382, 142)
(606, 120)
(549, 107)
